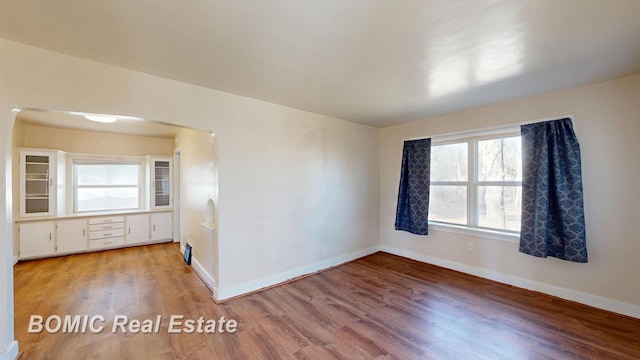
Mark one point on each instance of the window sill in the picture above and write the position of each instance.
(482, 233)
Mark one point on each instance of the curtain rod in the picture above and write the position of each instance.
(491, 128)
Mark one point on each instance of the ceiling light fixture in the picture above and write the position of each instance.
(101, 118)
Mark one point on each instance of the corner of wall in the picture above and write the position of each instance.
(11, 353)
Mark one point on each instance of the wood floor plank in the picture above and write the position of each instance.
(378, 307)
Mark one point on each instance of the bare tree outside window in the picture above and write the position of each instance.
(499, 167)
(476, 182)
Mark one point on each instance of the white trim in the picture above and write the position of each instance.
(489, 129)
(15, 260)
(215, 294)
(472, 184)
(11, 353)
(208, 280)
(276, 279)
(475, 232)
(204, 275)
(563, 293)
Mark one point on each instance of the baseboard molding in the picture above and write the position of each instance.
(206, 278)
(283, 277)
(563, 293)
(203, 274)
(11, 353)
(15, 260)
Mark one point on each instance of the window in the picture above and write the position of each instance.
(106, 185)
(476, 182)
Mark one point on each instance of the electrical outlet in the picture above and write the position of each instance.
(272, 254)
(470, 246)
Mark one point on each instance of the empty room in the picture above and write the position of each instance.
(319, 179)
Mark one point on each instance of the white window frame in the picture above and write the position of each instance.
(107, 161)
(472, 228)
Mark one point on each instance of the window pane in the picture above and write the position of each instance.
(448, 204)
(500, 159)
(100, 199)
(449, 162)
(107, 174)
(499, 207)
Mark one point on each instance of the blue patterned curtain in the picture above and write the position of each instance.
(552, 205)
(413, 195)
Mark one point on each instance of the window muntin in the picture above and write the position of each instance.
(484, 192)
(107, 185)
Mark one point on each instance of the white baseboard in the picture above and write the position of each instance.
(204, 275)
(567, 294)
(11, 353)
(252, 286)
(15, 260)
(208, 280)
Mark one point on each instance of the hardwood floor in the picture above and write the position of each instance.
(378, 307)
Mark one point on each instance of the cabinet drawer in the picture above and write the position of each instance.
(105, 243)
(94, 235)
(106, 226)
(106, 220)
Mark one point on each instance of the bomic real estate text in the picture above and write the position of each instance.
(177, 324)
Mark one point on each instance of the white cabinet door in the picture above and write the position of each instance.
(161, 226)
(36, 239)
(161, 175)
(37, 174)
(137, 229)
(71, 236)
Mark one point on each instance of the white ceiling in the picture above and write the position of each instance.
(377, 62)
(125, 126)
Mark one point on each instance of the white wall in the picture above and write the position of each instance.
(199, 184)
(304, 188)
(606, 123)
(303, 184)
(18, 140)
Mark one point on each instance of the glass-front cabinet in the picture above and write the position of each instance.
(161, 183)
(39, 183)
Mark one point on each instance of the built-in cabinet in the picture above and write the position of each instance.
(71, 236)
(62, 236)
(138, 229)
(161, 226)
(38, 239)
(47, 228)
(160, 174)
(106, 232)
(42, 182)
